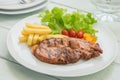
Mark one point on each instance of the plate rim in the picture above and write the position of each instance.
(22, 7)
(26, 10)
(103, 67)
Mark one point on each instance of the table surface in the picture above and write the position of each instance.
(11, 70)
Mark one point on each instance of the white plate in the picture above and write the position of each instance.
(25, 10)
(20, 6)
(22, 53)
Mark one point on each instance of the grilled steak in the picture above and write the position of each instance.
(66, 50)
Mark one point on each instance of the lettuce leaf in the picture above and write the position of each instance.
(58, 19)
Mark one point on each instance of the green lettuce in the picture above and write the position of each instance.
(58, 19)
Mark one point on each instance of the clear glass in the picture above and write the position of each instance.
(108, 10)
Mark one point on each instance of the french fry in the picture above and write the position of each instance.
(37, 26)
(23, 38)
(42, 37)
(30, 39)
(37, 31)
(35, 38)
(56, 36)
(24, 33)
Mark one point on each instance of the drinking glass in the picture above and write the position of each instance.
(108, 10)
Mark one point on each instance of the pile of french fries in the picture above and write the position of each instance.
(34, 33)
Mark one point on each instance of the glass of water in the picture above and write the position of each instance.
(108, 10)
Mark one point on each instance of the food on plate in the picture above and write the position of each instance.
(33, 33)
(35, 39)
(72, 33)
(36, 31)
(65, 50)
(89, 37)
(23, 39)
(59, 18)
(65, 32)
(36, 26)
(62, 37)
(80, 34)
(73, 24)
(43, 37)
(29, 40)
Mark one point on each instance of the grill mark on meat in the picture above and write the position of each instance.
(52, 42)
(55, 41)
(48, 42)
(65, 53)
(49, 53)
(77, 54)
(58, 50)
(61, 41)
(66, 50)
(69, 44)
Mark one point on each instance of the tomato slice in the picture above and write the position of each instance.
(65, 32)
(80, 34)
(72, 33)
